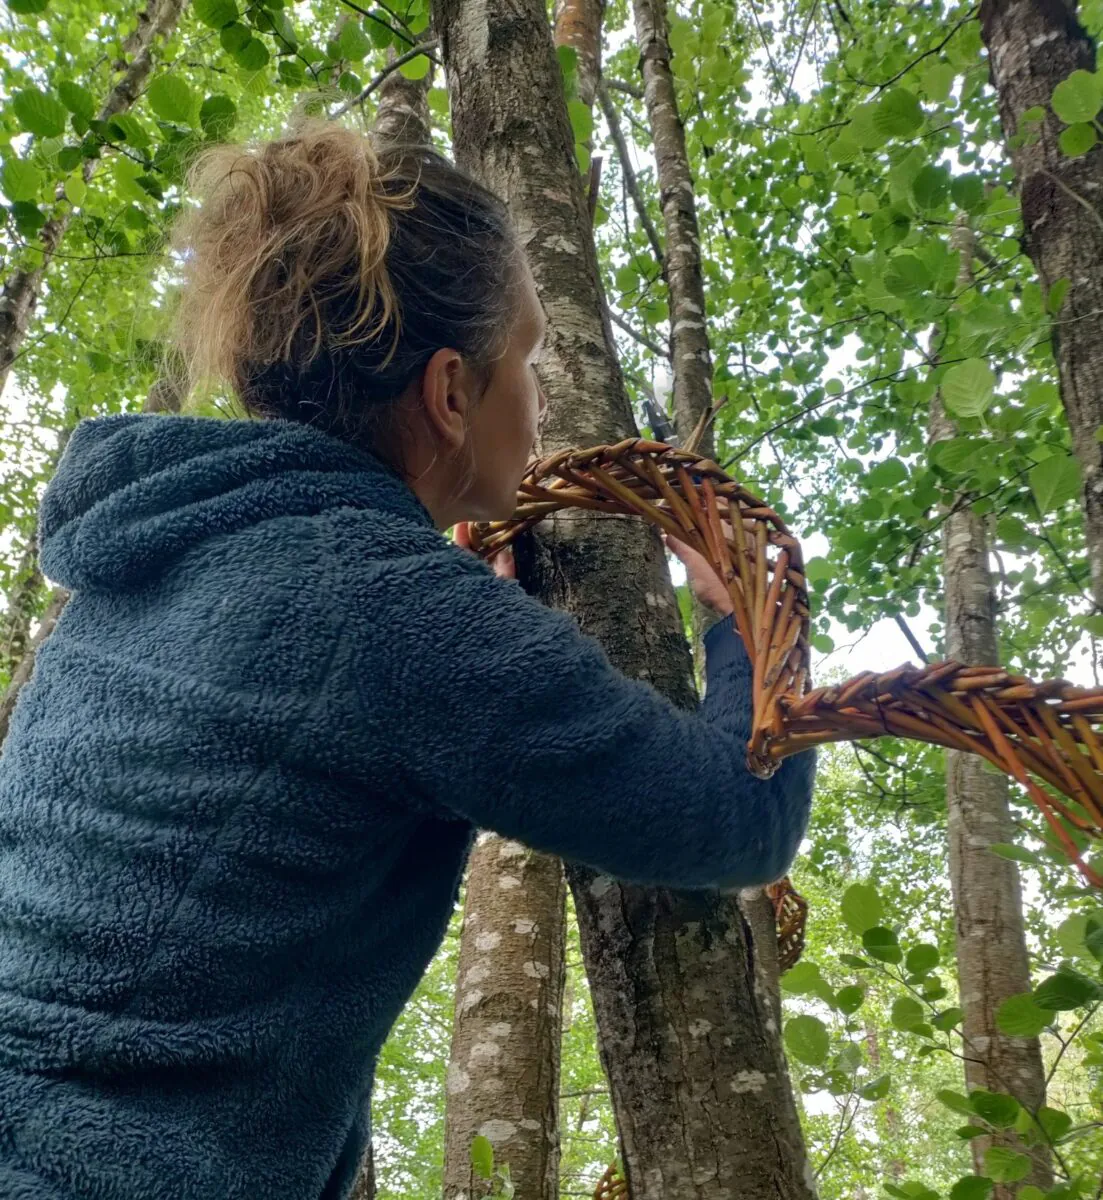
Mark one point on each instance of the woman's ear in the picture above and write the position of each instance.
(446, 396)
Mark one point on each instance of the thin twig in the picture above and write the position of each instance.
(642, 338)
(630, 180)
(389, 69)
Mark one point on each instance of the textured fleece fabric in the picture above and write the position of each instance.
(239, 792)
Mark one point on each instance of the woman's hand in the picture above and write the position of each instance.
(703, 580)
(502, 562)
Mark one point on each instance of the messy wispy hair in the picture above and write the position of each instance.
(322, 271)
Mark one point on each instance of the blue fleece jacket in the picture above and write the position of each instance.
(239, 792)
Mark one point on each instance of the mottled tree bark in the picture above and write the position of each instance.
(992, 960)
(503, 1071)
(578, 25)
(688, 1023)
(402, 114)
(689, 342)
(1032, 46)
(20, 294)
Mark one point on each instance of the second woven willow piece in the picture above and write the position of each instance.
(1038, 733)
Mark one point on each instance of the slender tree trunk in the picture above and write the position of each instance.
(503, 1072)
(402, 115)
(1032, 46)
(992, 961)
(704, 1108)
(689, 343)
(578, 25)
(20, 294)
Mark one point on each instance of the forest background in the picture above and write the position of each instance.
(861, 243)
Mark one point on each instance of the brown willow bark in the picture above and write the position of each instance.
(20, 294)
(1032, 46)
(688, 1023)
(689, 342)
(992, 959)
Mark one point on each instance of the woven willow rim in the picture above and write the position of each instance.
(1038, 733)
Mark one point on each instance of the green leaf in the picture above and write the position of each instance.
(968, 387)
(1054, 1122)
(234, 38)
(898, 113)
(39, 113)
(968, 1132)
(582, 120)
(967, 192)
(849, 999)
(931, 187)
(907, 1013)
(77, 99)
(215, 13)
(26, 8)
(1020, 1016)
(75, 190)
(217, 115)
(921, 959)
(950, 1019)
(996, 1108)
(416, 68)
(171, 99)
(29, 218)
(876, 1089)
(1077, 139)
(861, 905)
(21, 180)
(881, 943)
(1013, 852)
(907, 276)
(1056, 297)
(852, 960)
(955, 1101)
(1054, 481)
(352, 42)
(806, 1040)
(972, 1187)
(886, 474)
(253, 55)
(1077, 98)
(801, 979)
(817, 570)
(482, 1156)
(1066, 989)
(1005, 1166)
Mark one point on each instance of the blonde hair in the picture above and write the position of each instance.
(321, 272)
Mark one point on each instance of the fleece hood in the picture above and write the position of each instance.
(133, 492)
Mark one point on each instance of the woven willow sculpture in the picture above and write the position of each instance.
(1038, 733)
(611, 1186)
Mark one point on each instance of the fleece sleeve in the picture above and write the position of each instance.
(502, 711)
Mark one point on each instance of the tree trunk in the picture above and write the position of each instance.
(20, 293)
(578, 25)
(503, 1072)
(1032, 46)
(402, 115)
(689, 343)
(992, 961)
(687, 1020)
